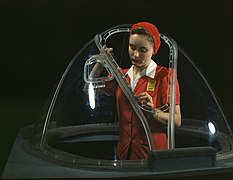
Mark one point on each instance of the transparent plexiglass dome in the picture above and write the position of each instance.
(77, 132)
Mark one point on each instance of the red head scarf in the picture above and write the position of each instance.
(153, 32)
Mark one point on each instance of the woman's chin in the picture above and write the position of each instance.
(137, 65)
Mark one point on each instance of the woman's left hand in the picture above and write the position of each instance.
(145, 100)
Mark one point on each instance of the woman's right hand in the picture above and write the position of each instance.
(108, 50)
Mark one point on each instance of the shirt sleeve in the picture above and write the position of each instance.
(110, 87)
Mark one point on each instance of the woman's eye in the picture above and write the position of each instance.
(132, 48)
(143, 50)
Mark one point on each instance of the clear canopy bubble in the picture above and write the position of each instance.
(78, 126)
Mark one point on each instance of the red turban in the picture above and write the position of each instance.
(153, 32)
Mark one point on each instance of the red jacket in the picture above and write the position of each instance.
(132, 142)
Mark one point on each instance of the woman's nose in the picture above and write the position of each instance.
(136, 53)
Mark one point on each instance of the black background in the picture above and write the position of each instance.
(38, 38)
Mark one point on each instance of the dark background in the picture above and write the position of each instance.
(38, 38)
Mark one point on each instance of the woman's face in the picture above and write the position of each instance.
(140, 50)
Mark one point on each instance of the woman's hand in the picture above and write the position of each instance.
(108, 50)
(146, 100)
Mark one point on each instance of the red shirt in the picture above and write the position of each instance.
(132, 142)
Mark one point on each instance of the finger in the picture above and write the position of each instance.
(143, 100)
(142, 94)
(145, 97)
(150, 105)
(110, 50)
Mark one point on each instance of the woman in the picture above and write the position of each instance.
(150, 83)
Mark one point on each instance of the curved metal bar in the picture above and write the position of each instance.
(172, 88)
(114, 31)
(120, 78)
(51, 106)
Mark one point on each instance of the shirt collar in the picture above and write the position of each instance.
(149, 71)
